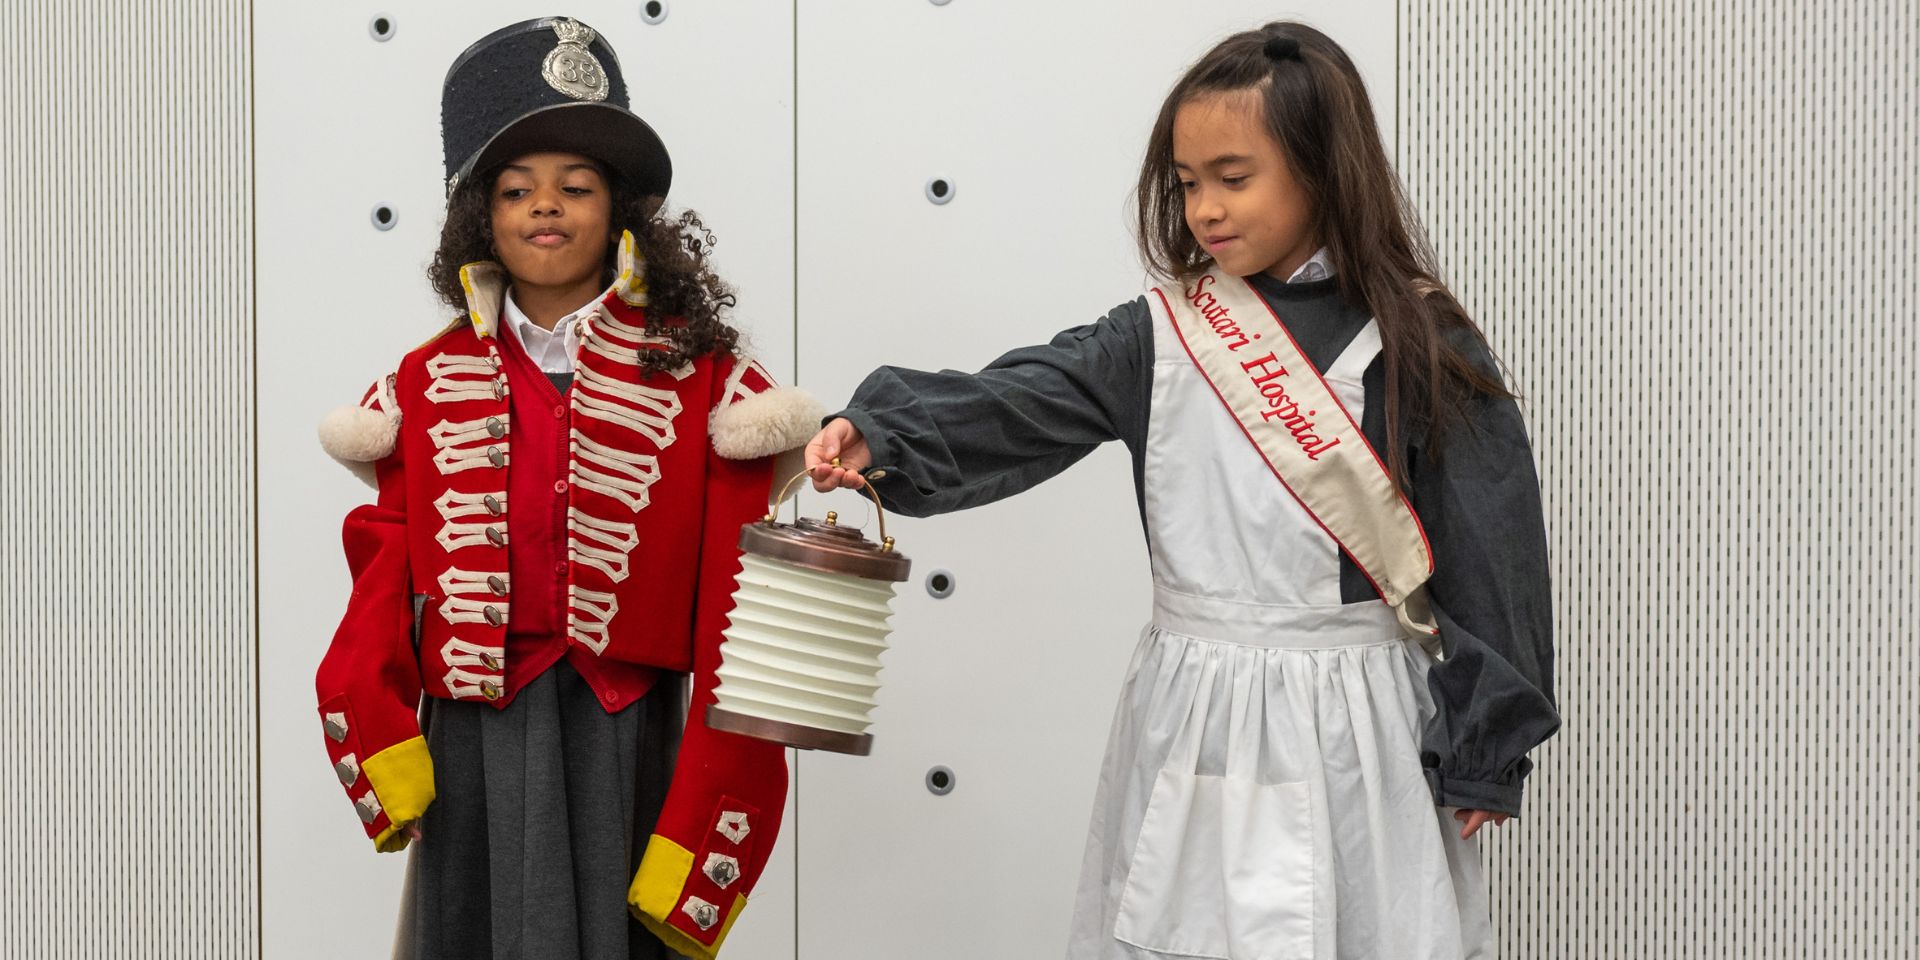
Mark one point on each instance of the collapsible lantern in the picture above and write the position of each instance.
(801, 661)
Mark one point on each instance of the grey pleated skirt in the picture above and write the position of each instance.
(542, 812)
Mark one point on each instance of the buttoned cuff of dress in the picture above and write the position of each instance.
(1474, 794)
(879, 440)
(402, 778)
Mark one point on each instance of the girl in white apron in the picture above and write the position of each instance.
(1350, 654)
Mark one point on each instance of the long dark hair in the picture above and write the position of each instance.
(686, 301)
(1317, 110)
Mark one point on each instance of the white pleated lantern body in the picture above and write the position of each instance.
(801, 661)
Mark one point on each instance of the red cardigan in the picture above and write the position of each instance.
(608, 519)
(539, 482)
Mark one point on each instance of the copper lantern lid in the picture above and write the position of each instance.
(826, 546)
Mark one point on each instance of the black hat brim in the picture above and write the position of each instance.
(599, 131)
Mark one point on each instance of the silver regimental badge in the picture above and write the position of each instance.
(570, 68)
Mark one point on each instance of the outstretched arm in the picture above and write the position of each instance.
(937, 442)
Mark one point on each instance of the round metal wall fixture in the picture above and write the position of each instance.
(940, 584)
(939, 190)
(940, 781)
(380, 27)
(383, 217)
(939, 3)
(653, 11)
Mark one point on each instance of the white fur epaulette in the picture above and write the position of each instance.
(360, 436)
(763, 424)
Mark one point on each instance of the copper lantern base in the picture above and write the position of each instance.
(790, 734)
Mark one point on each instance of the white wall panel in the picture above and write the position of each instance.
(345, 123)
(1038, 113)
(1691, 230)
(127, 782)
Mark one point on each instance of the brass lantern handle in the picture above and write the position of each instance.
(880, 511)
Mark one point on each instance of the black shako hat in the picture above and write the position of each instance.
(545, 84)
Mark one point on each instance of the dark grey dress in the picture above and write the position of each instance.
(542, 813)
(945, 441)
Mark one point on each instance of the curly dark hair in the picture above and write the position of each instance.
(685, 299)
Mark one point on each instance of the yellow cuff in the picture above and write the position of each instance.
(655, 894)
(402, 778)
(391, 840)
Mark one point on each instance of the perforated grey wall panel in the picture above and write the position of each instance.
(127, 788)
(1691, 231)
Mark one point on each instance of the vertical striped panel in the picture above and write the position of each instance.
(127, 824)
(1691, 230)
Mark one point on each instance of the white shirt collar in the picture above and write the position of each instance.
(551, 350)
(1318, 267)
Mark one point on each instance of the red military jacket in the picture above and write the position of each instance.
(661, 473)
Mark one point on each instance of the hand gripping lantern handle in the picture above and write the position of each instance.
(880, 510)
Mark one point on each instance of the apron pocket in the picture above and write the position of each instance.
(1224, 869)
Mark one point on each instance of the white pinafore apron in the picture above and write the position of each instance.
(1262, 796)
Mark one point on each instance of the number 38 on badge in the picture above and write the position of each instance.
(571, 68)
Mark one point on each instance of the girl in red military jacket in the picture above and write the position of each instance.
(563, 472)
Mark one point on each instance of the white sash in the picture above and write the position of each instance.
(1307, 437)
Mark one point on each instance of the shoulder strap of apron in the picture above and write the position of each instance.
(1307, 437)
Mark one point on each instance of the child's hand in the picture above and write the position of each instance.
(838, 439)
(1475, 819)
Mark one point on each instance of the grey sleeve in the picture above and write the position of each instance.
(948, 441)
(1479, 499)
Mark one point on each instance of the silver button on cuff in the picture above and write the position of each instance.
(493, 505)
(495, 537)
(492, 613)
(336, 726)
(497, 585)
(722, 869)
(704, 915)
(495, 428)
(495, 457)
